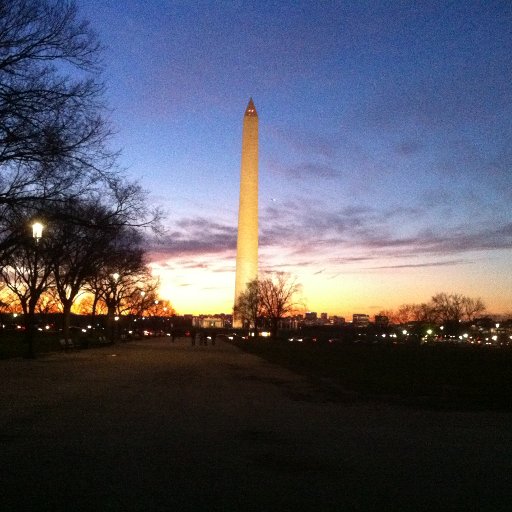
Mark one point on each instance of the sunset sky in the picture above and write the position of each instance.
(385, 143)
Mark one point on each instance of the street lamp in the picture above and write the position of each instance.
(37, 234)
(112, 319)
(37, 231)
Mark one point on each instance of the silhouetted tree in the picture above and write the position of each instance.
(277, 294)
(26, 273)
(121, 276)
(449, 308)
(160, 308)
(248, 307)
(49, 301)
(444, 308)
(82, 236)
(472, 308)
(53, 136)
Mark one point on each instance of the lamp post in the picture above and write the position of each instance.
(112, 306)
(37, 234)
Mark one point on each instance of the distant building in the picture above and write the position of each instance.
(289, 322)
(207, 322)
(381, 321)
(324, 317)
(337, 320)
(360, 320)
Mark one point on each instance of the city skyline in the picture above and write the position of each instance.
(384, 144)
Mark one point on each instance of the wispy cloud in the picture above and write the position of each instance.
(420, 265)
(311, 170)
(305, 236)
(196, 236)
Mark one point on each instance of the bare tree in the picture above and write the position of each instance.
(405, 313)
(8, 301)
(51, 131)
(248, 306)
(53, 136)
(390, 314)
(49, 301)
(121, 277)
(472, 308)
(277, 293)
(143, 296)
(448, 307)
(81, 246)
(160, 308)
(27, 275)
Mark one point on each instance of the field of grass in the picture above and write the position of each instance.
(12, 343)
(440, 376)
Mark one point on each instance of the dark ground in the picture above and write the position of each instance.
(152, 425)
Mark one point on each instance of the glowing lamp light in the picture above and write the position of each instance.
(115, 276)
(37, 231)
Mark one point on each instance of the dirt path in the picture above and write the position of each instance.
(152, 425)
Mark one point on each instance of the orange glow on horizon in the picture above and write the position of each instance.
(209, 289)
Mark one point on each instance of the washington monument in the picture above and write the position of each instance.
(247, 242)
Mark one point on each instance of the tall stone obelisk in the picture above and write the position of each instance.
(247, 242)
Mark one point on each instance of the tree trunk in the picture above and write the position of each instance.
(111, 324)
(30, 327)
(273, 327)
(66, 318)
(94, 305)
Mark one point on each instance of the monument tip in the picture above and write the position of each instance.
(251, 109)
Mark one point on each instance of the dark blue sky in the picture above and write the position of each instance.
(385, 142)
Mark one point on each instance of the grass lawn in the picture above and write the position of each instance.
(440, 376)
(12, 343)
